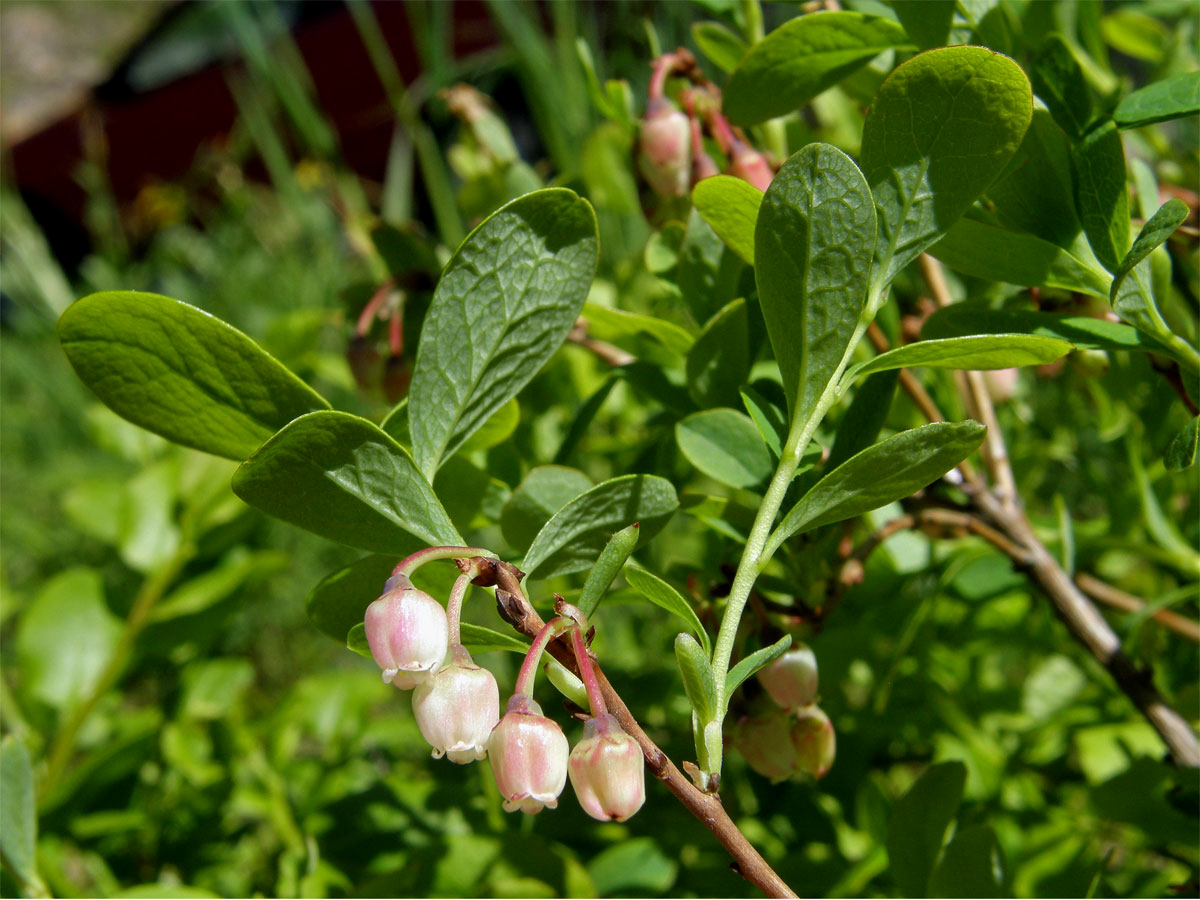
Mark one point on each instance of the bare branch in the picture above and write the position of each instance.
(1106, 593)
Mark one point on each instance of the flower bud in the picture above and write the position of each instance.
(408, 632)
(457, 707)
(749, 165)
(814, 740)
(607, 771)
(791, 680)
(528, 753)
(780, 747)
(665, 158)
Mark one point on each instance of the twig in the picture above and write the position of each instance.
(1106, 593)
(605, 351)
(748, 862)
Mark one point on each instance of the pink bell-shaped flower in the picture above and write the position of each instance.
(457, 707)
(408, 633)
(814, 740)
(665, 158)
(528, 753)
(607, 771)
(779, 746)
(791, 680)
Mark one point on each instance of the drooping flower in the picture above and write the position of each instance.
(408, 633)
(528, 753)
(791, 680)
(665, 158)
(607, 771)
(813, 737)
(782, 745)
(457, 707)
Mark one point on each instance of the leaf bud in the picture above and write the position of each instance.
(791, 680)
(408, 632)
(607, 771)
(457, 707)
(665, 157)
(528, 753)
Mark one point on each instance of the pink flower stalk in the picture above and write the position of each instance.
(457, 708)
(791, 680)
(528, 753)
(408, 633)
(607, 771)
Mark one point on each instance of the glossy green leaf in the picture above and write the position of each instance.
(755, 661)
(982, 351)
(998, 254)
(813, 245)
(1184, 449)
(918, 825)
(1171, 98)
(802, 58)
(1102, 195)
(662, 594)
(608, 565)
(719, 43)
(886, 472)
(942, 128)
(18, 817)
(503, 306)
(768, 419)
(927, 22)
(725, 444)
(180, 372)
(578, 532)
(479, 639)
(1059, 81)
(972, 866)
(608, 324)
(730, 206)
(66, 638)
(863, 421)
(356, 640)
(343, 478)
(542, 493)
(697, 675)
(719, 361)
(1084, 332)
(341, 598)
(1154, 233)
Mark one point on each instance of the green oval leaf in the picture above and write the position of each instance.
(803, 57)
(356, 640)
(341, 477)
(942, 128)
(927, 22)
(341, 598)
(697, 675)
(479, 639)
(496, 430)
(18, 817)
(177, 371)
(719, 361)
(660, 593)
(608, 564)
(1102, 194)
(719, 43)
(725, 444)
(1059, 81)
(755, 661)
(1171, 98)
(503, 306)
(1184, 448)
(730, 206)
(971, 866)
(1084, 332)
(1154, 233)
(542, 493)
(813, 244)
(577, 533)
(879, 475)
(918, 825)
(980, 351)
(608, 323)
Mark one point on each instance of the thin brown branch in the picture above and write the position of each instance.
(603, 350)
(1174, 377)
(748, 862)
(1115, 597)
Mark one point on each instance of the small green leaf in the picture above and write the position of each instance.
(868, 411)
(343, 478)
(1171, 98)
(719, 43)
(565, 681)
(579, 424)
(697, 675)
(1184, 448)
(1154, 233)
(720, 359)
(479, 639)
(608, 564)
(754, 662)
(724, 444)
(768, 419)
(813, 244)
(608, 324)
(942, 128)
(542, 493)
(237, 568)
(341, 598)
(918, 825)
(180, 372)
(927, 22)
(879, 475)
(496, 430)
(1015, 257)
(18, 817)
(802, 58)
(1059, 81)
(730, 206)
(660, 593)
(356, 640)
(1102, 195)
(708, 271)
(972, 866)
(502, 307)
(981, 351)
(1084, 332)
(577, 533)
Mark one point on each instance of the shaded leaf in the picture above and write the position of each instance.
(608, 323)
(1084, 332)
(730, 206)
(984, 351)
(768, 419)
(608, 565)
(1171, 98)
(719, 43)
(479, 639)
(927, 22)
(972, 866)
(1059, 81)
(720, 359)
(18, 816)
(1154, 233)
(542, 493)
(662, 594)
(918, 825)
(340, 600)
(1184, 448)
(1102, 195)
(724, 444)
(864, 419)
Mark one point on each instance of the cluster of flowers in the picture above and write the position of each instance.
(456, 703)
(794, 738)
